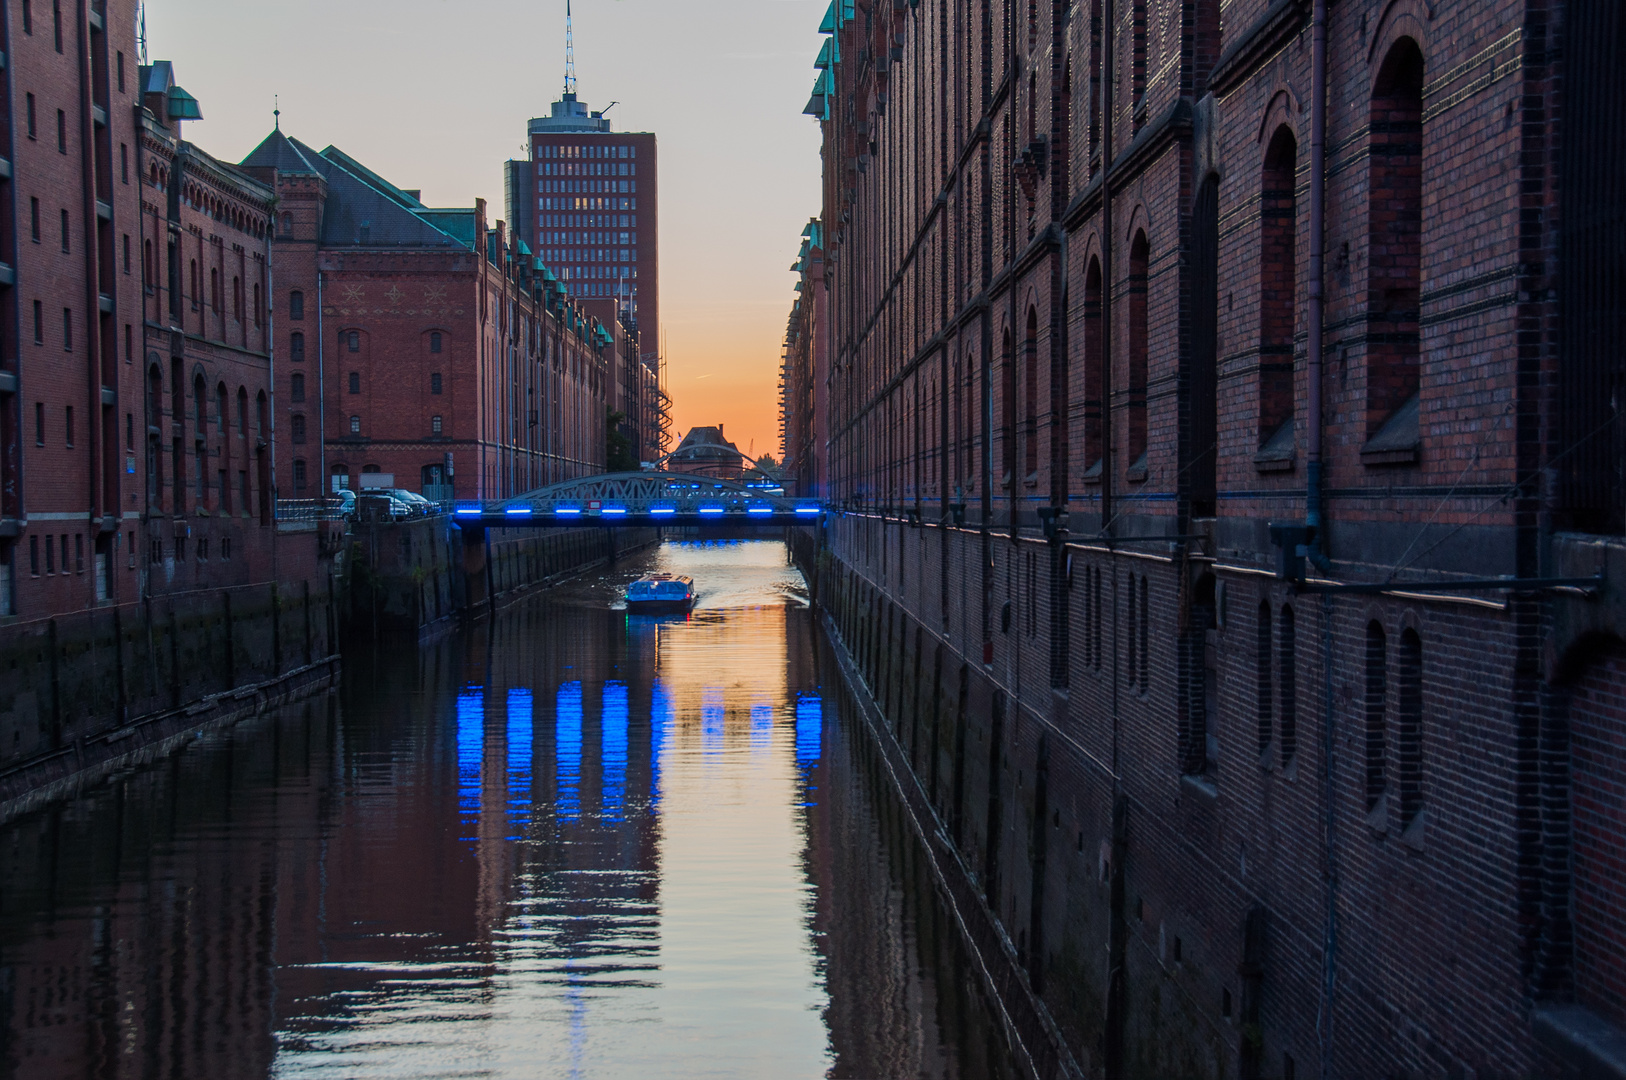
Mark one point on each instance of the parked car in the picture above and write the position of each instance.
(346, 500)
(419, 504)
(375, 503)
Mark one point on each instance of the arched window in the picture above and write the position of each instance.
(341, 477)
(296, 388)
(299, 477)
(1095, 370)
(1139, 255)
(1278, 288)
(1410, 726)
(434, 341)
(242, 412)
(259, 416)
(1030, 399)
(296, 305)
(1202, 449)
(1394, 258)
(296, 427)
(1377, 719)
(222, 413)
(200, 405)
(355, 382)
(1007, 412)
(296, 347)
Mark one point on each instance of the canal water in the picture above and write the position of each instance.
(568, 842)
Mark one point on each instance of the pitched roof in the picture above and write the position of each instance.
(277, 151)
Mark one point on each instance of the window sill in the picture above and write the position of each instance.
(1583, 1039)
(1203, 787)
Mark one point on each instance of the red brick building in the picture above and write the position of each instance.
(427, 344)
(1112, 288)
(206, 452)
(70, 233)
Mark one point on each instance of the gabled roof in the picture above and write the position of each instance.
(333, 153)
(365, 210)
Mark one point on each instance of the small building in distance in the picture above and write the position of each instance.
(705, 452)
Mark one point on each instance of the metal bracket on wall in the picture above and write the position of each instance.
(1585, 586)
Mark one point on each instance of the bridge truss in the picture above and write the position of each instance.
(642, 499)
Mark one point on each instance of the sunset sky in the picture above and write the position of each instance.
(435, 94)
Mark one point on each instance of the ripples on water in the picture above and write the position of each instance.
(570, 842)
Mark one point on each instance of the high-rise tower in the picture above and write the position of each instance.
(586, 203)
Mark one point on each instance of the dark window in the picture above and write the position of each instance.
(28, 24)
(33, 126)
(296, 305)
(1201, 454)
(1265, 691)
(56, 19)
(126, 253)
(1137, 60)
(434, 341)
(67, 329)
(1377, 701)
(61, 132)
(299, 475)
(1287, 683)
(296, 388)
(1410, 729)
(65, 231)
(1395, 223)
(34, 219)
(352, 340)
(39, 323)
(121, 72)
(434, 382)
(1139, 253)
(434, 424)
(355, 382)
(355, 425)
(50, 554)
(124, 160)
(296, 347)
(1030, 399)
(67, 426)
(1094, 375)
(296, 427)
(39, 423)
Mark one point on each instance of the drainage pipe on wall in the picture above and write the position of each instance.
(1318, 247)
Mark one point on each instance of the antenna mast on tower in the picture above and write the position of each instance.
(570, 54)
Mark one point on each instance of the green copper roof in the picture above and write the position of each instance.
(183, 106)
(828, 26)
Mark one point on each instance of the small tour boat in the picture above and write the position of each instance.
(661, 592)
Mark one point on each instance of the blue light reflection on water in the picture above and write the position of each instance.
(660, 721)
(761, 726)
(613, 755)
(521, 731)
(568, 750)
(471, 714)
(712, 715)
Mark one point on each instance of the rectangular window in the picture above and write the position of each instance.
(434, 341)
(352, 340)
(56, 19)
(296, 388)
(121, 72)
(355, 382)
(355, 425)
(126, 253)
(434, 424)
(296, 347)
(67, 426)
(67, 329)
(65, 231)
(39, 423)
(33, 126)
(34, 219)
(28, 28)
(203, 548)
(225, 547)
(129, 344)
(434, 383)
(39, 323)
(296, 305)
(124, 161)
(61, 132)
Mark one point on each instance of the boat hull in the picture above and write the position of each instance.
(664, 606)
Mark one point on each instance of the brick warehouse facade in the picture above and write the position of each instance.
(425, 343)
(1067, 309)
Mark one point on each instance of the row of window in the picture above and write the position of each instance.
(588, 187)
(571, 168)
(585, 221)
(588, 202)
(155, 548)
(587, 151)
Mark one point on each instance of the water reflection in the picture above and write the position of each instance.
(572, 842)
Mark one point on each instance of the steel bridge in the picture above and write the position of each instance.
(641, 499)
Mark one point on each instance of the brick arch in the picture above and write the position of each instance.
(1282, 111)
(1400, 19)
(1140, 220)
